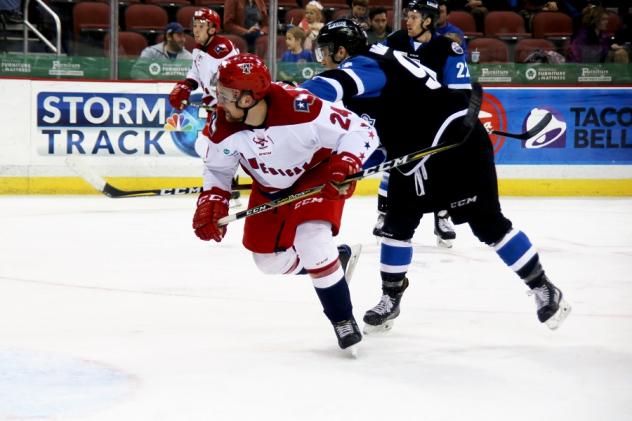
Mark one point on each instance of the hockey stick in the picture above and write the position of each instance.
(199, 104)
(469, 121)
(529, 133)
(110, 191)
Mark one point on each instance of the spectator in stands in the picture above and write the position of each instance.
(359, 15)
(311, 23)
(10, 10)
(294, 39)
(172, 47)
(247, 18)
(445, 28)
(591, 44)
(479, 9)
(379, 29)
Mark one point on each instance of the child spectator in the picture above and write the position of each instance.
(294, 39)
(312, 22)
(359, 15)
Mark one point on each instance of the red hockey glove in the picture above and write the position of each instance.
(341, 166)
(181, 92)
(211, 206)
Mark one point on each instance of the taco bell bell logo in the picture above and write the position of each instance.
(552, 136)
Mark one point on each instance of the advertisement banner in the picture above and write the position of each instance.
(53, 66)
(113, 124)
(590, 126)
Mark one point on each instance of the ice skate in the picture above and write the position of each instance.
(444, 230)
(348, 335)
(379, 224)
(349, 256)
(382, 317)
(552, 308)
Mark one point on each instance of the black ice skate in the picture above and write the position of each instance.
(552, 308)
(444, 230)
(349, 256)
(377, 229)
(348, 335)
(381, 317)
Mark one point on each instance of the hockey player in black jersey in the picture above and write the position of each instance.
(387, 87)
(446, 58)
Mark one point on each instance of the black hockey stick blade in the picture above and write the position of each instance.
(109, 190)
(199, 104)
(529, 133)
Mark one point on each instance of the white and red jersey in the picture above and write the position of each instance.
(300, 132)
(206, 61)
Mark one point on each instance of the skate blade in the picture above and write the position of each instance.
(352, 351)
(558, 318)
(353, 261)
(383, 328)
(446, 244)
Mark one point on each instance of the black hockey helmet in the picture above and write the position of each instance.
(341, 33)
(427, 9)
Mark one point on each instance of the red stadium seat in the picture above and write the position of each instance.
(465, 22)
(505, 25)
(184, 16)
(238, 41)
(294, 16)
(261, 46)
(146, 18)
(492, 50)
(552, 25)
(90, 16)
(130, 44)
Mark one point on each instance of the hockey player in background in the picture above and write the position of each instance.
(287, 140)
(446, 58)
(211, 49)
(388, 87)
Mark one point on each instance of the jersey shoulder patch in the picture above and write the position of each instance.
(456, 48)
(219, 47)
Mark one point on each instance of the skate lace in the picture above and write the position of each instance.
(542, 296)
(343, 329)
(443, 224)
(384, 306)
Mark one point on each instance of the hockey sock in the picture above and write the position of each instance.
(336, 301)
(518, 253)
(395, 259)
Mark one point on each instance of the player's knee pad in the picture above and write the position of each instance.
(317, 250)
(490, 228)
(285, 262)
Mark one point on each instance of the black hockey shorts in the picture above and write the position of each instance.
(462, 180)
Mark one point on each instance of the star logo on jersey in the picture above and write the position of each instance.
(220, 48)
(246, 68)
(302, 103)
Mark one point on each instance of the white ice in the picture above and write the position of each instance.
(114, 310)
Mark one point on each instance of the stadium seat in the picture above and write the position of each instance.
(294, 16)
(261, 46)
(90, 16)
(492, 50)
(552, 25)
(238, 41)
(341, 13)
(145, 18)
(505, 25)
(169, 3)
(214, 4)
(465, 22)
(189, 41)
(526, 46)
(614, 23)
(130, 44)
(184, 16)
(334, 4)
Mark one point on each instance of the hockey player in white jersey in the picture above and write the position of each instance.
(287, 140)
(210, 51)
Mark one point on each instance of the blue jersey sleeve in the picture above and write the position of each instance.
(456, 74)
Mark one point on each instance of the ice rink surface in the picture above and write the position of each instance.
(114, 310)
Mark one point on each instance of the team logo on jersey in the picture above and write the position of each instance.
(494, 117)
(302, 103)
(457, 48)
(368, 119)
(246, 68)
(262, 142)
(219, 48)
(553, 135)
